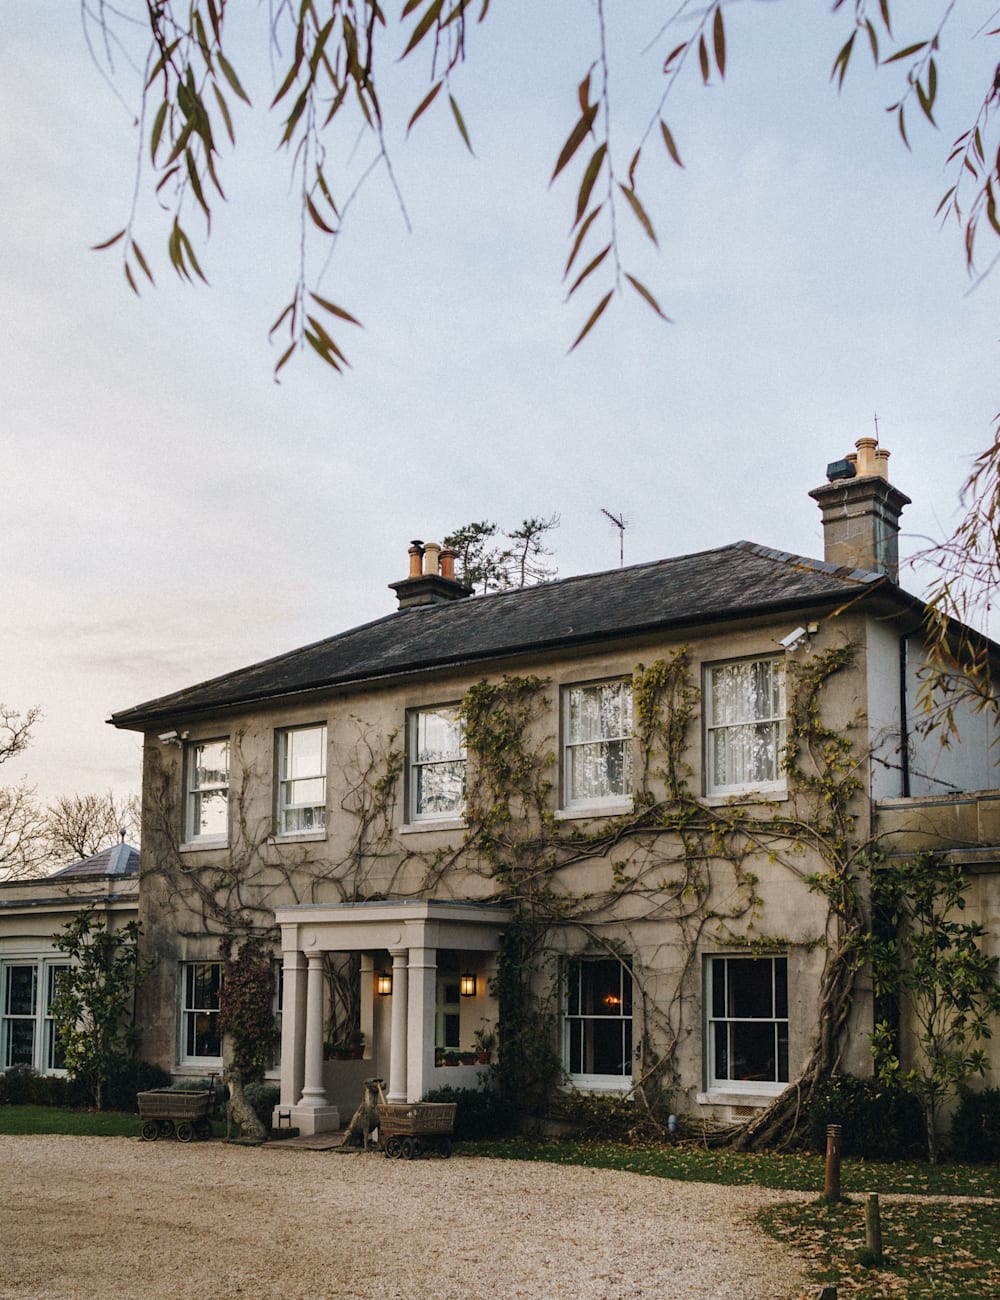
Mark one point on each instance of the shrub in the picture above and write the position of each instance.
(21, 1086)
(879, 1121)
(134, 1076)
(612, 1118)
(975, 1126)
(481, 1112)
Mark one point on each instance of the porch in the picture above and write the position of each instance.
(425, 949)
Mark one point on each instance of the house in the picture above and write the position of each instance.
(640, 795)
(32, 914)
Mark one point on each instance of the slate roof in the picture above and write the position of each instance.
(736, 581)
(118, 860)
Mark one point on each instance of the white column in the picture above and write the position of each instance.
(420, 1028)
(313, 1093)
(293, 1026)
(397, 1041)
(313, 1114)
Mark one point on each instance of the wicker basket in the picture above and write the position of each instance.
(420, 1117)
(176, 1104)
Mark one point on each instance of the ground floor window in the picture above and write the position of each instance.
(201, 1039)
(598, 1021)
(748, 1022)
(28, 1032)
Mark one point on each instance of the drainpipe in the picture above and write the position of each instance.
(904, 721)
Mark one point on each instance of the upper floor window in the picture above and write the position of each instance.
(201, 1039)
(437, 764)
(598, 1021)
(744, 726)
(301, 780)
(207, 777)
(748, 1023)
(597, 743)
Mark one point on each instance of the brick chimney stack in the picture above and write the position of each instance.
(431, 579)
(861, 511)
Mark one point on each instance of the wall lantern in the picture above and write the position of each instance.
(467, 985)
(383, 982)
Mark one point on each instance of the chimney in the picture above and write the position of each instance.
(861, 511)
(431, 579)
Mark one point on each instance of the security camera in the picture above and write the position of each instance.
(791, 641)
(169, 738)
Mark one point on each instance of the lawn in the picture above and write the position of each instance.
(78, 1123)
(930, 1248)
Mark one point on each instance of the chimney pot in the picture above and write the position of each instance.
(432, 551)
(882, 461)
(447, 562)
(867, 464)
(416, 554)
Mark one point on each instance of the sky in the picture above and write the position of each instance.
(169, 512)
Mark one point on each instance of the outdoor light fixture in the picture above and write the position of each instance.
(467, 985)
(383, 982)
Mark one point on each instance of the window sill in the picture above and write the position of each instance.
(761, 1095)
(298, 837)
(745, 796)
(444, 824)
(196, 846)
(198, 1069)
(599, 1083)
(608, 808)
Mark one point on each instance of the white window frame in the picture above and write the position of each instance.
(579, 1024)
(188, 1013)
(277, 1010)
(417, 765)
(721, 1020)
(773, 722)
(43, 1041)
(287, 806)
(193, 789)
(572, 746)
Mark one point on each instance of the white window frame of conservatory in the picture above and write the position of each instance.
(580, 807)
(718, 1089)
(775, 788)
(416, 818)
(185, 1011)
(593, 1082)
(192, 790)
(283, 737)
(43, 1034)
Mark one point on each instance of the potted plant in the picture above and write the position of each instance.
(357, 1045)
(451, 1058)
(486, 1041)
(467, 1058)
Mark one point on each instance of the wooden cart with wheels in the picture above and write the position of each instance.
(416, 1128)
(184, 1114)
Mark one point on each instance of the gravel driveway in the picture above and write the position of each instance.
(116, 1217)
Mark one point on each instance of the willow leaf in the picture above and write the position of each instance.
(594, 317)
(668, 140)
(591, 266)
(456, 112)
(576, 138)
(719, 41)
(424, 105)
(589, 180)
(640, 212)
(645, 294)
(108, 243)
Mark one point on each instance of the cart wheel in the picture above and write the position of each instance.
(185, 1132)
(409, 1148)
(203, 1130)
(166, 1128)
(150, 1131)
(393, 1148)
(446, 1148)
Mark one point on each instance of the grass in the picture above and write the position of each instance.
(931, 1249)
(25, 1120)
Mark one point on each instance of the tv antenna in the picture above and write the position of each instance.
(619, 523)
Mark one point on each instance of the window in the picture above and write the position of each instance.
(748, 1023)
(437, 765)
(200, 1036)
(207, 791)
(28, 1031)
(598, 1022)
(597, 734)
(301, 780)
(745, 726)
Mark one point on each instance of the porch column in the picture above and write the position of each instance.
(293, 1027)
(313, 1114)
(397, 1040)
(422, 1008)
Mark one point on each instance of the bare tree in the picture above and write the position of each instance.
(22, 840)
(80, 825)
(486, 565)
